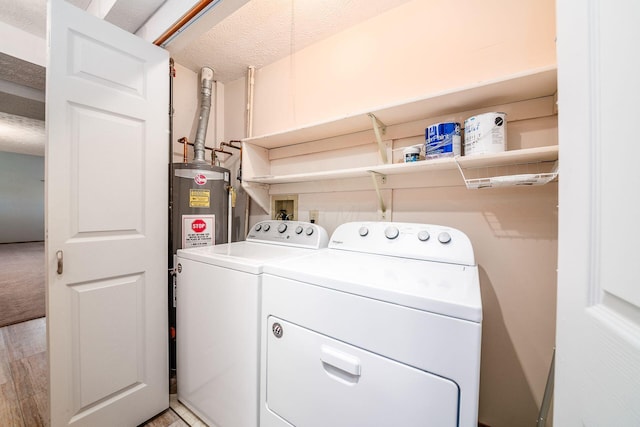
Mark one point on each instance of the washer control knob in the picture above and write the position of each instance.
(299, 229)
(444, 237)
(423, 236)
(258, 227)
(266, 227)
(282, 227)
(391, 232)
(363, 231)
(309, 231)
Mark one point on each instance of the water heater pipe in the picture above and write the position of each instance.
(230, 213)
(206, 80)
(251, 71)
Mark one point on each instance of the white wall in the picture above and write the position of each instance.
(417, 49)
(21, 198)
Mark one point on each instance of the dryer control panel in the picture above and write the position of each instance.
(407, 240)
(290, 233)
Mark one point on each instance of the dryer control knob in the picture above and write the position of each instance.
(282, 227)
(258, 227)
(423, 236)
(391, 232)
(309, 231)
(266, 227)
(299, 229)
(444, 237)
(363, 231)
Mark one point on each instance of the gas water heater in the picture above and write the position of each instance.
(198, 203)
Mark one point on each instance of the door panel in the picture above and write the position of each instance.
(107, 65)
(106, 176)
(108, 331)
(598, 331)
(101, 140)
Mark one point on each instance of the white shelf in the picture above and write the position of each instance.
(529, 155)
(538, 84)
(530, 85)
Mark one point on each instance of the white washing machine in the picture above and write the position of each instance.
(218, 318)
(382, 328)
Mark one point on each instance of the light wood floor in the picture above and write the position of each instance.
(23, 381)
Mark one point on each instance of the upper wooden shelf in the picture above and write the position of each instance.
(533, 84)
(527, 155)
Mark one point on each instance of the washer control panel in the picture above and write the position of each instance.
(291, 233)
(407, 240)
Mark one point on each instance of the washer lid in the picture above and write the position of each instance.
(447, 289)
(243, 256)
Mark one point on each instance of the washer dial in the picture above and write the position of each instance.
(444, 237)
(391, 232)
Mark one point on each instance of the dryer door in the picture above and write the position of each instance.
(314, 380)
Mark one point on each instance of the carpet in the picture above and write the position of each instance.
(22, 282)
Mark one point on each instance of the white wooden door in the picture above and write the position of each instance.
(106, 198)
(598, 330)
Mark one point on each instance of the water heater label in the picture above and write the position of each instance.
(199, 198)
(200, 179)
(198, 230)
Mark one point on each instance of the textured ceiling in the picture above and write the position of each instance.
(21, 72)
(28, 15)
(22, 107)
(264, 31)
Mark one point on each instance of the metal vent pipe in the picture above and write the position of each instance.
(206, 80)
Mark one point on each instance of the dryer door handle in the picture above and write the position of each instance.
(340, 360)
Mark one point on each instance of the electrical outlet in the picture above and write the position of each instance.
(313, 216)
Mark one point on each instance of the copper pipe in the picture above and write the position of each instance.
(214, 156)
(195, 10)
(185, 150)
(186, 143)
(230, 144)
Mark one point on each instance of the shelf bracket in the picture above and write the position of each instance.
(374, 176)
(531, 177)
(259, 193)
(379, 129)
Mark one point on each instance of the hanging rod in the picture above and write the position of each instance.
(180, 23)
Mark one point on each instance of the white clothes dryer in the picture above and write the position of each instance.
(383, 328)
(218, 318)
